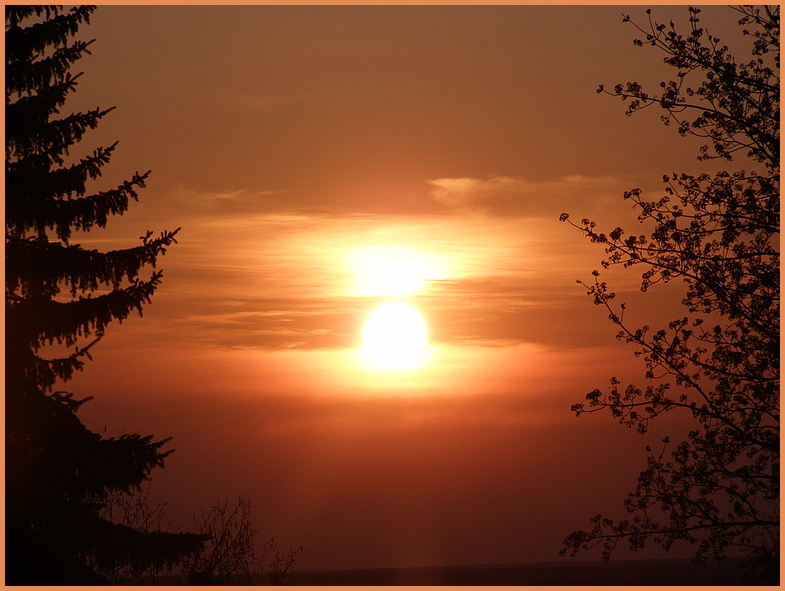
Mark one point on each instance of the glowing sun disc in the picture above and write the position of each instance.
(394, 338)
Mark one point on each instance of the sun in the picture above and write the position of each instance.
(395, 339)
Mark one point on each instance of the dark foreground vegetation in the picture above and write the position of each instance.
(60, 475)
(717, 235)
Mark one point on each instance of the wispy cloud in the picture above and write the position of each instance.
(187, 202)
(289, 280)
(504, 195)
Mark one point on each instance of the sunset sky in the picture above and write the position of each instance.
(323, 161)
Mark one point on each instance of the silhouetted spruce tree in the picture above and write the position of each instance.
(719, 362)
(58, 473)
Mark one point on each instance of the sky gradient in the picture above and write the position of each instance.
(310, 153)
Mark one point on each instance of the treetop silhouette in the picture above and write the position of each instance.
(719, 362)
(59, 474)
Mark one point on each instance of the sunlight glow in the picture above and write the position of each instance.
(394, 339)
(393, 271)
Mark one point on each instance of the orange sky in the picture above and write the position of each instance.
(292, 144)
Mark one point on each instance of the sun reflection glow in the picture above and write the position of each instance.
(393, 271)
(394, 339)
